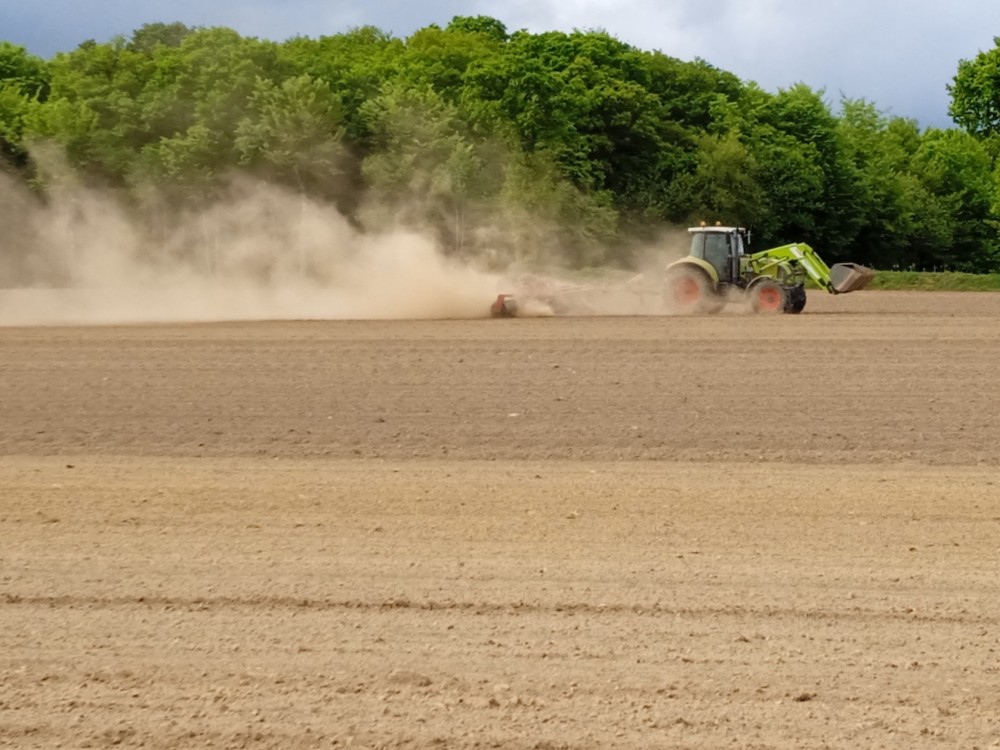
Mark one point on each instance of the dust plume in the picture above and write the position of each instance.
(257, 252)
(601, 291)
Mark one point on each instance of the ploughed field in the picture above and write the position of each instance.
(735, 530)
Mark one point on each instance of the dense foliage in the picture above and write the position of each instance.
(504, 142)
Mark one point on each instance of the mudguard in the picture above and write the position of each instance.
(704, 265)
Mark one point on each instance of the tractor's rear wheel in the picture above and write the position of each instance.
(767, 296)
(687, 291)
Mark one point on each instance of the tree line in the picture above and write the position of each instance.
(505, 142)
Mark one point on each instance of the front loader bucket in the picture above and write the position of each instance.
(850, 277)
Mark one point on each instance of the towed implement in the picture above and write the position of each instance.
(719, 268)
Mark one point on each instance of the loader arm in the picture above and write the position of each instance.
(839, 279)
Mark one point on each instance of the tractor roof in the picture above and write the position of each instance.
(715, 229)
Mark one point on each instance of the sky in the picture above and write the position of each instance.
(900, 55)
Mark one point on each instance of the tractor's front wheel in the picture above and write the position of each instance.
(795, 299)
(767, 296)
(687, 291)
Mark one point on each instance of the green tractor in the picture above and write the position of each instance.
(719, 267)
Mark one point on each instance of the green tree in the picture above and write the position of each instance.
(129, 112)
(723, 186)
(470, 126)
(148, 37)
(586, 101)
(691, 92)
(957, 173)
(485, 25)
(975, 92)
(804, 167)
(93, 108)
(927, 198)
(355, 65)
(208, 81)
(425, 168)
(886, 192)
(292, 133)
(23, 72)
(24, 83)
(442, 60)
(545, 219)
(13, 107)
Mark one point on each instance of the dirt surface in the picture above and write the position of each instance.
(728, 531)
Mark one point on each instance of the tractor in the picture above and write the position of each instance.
(720, 267)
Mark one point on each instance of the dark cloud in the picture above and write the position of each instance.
(898, 54)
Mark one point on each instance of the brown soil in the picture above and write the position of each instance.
(594, 532)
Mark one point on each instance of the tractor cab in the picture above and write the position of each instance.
(722, 247)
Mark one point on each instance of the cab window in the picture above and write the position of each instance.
(717, 251)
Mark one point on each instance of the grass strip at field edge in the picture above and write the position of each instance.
(941, 281)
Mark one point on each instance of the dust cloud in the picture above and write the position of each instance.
(256, 252)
